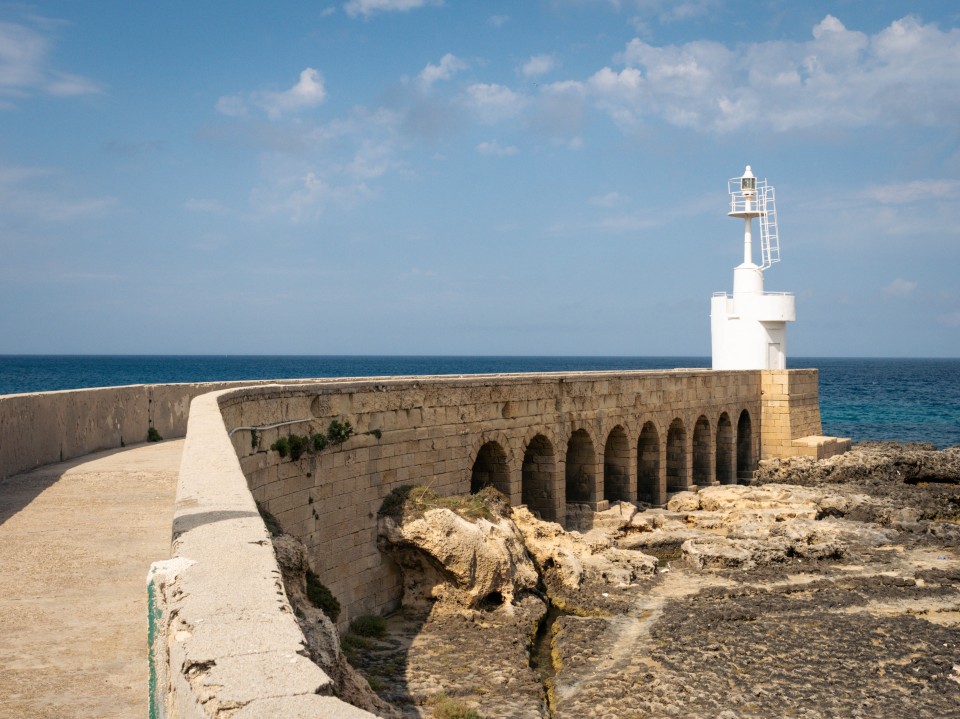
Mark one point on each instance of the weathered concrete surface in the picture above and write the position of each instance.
(227, 643)
(75, 542)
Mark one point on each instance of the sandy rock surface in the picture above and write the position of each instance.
(447, 556)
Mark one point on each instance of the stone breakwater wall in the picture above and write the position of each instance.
(223, 636)
(45, 427)
(224, 641)
(548, 441)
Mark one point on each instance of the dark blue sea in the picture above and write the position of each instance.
(865, 399)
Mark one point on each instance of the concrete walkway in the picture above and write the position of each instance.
(76, 540)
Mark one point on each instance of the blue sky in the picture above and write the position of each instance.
(427, 177)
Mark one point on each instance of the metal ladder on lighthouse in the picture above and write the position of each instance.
(769, 235)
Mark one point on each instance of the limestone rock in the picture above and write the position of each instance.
(576, 558)
(323, 641)
(684, 502)
(871, 461)
(722, 553)
(444, 555)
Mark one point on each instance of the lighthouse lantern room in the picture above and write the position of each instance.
(749, 327)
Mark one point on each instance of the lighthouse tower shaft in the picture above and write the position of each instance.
(749, 327)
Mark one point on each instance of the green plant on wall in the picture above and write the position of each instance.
(281, 446)
(297, 445)
(153, 435)
(339, 432)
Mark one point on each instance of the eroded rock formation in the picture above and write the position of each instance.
(446, 556)
(323, 641)
(824, 589)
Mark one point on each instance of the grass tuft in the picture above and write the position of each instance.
(273, 526)
(446, 708)
(321, 597)
(369, 626)
(409, 502)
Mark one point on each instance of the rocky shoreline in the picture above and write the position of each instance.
(823, 589)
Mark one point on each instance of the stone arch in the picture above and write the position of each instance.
(616, 466)
(676, 456)
(537, 478)
(701, 452)
(725, 469)
(509, 447)
(581, 463)
(648, 464)
(745, 461)
(491, 468)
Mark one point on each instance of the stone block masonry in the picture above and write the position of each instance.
(225, 638)
(790, 422)
(545, 440)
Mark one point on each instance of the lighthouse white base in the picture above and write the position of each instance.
(749, 330)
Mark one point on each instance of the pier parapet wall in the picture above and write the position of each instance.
(223, 634)
(548, 441)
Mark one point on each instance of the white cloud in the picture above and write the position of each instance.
(334, 166)
(908, 73)
(495, 148)
(45, 194)
(213, 207)
(449, 65)
(62, 84)
(913, 191)
(308, 92)
(372, 159)
(900, 288)
(498, 20)
(538, 65)
(611, 199)
(493, 102)
(371, 7)
(25, 67)
(232, 106)
(668, 11)
(950, 320)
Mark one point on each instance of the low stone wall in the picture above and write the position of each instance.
(45, 427)
(224, 641)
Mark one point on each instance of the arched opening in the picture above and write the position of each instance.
(648, 465)
(676, 456)
(616, 463)
(490, 469)
(725, 473)
(536, 482)
(745, 461)
(701, 452)
(581, 472)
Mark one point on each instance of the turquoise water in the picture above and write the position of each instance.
(865, 399)
(898, 399)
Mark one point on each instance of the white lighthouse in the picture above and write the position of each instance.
(749, 328)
